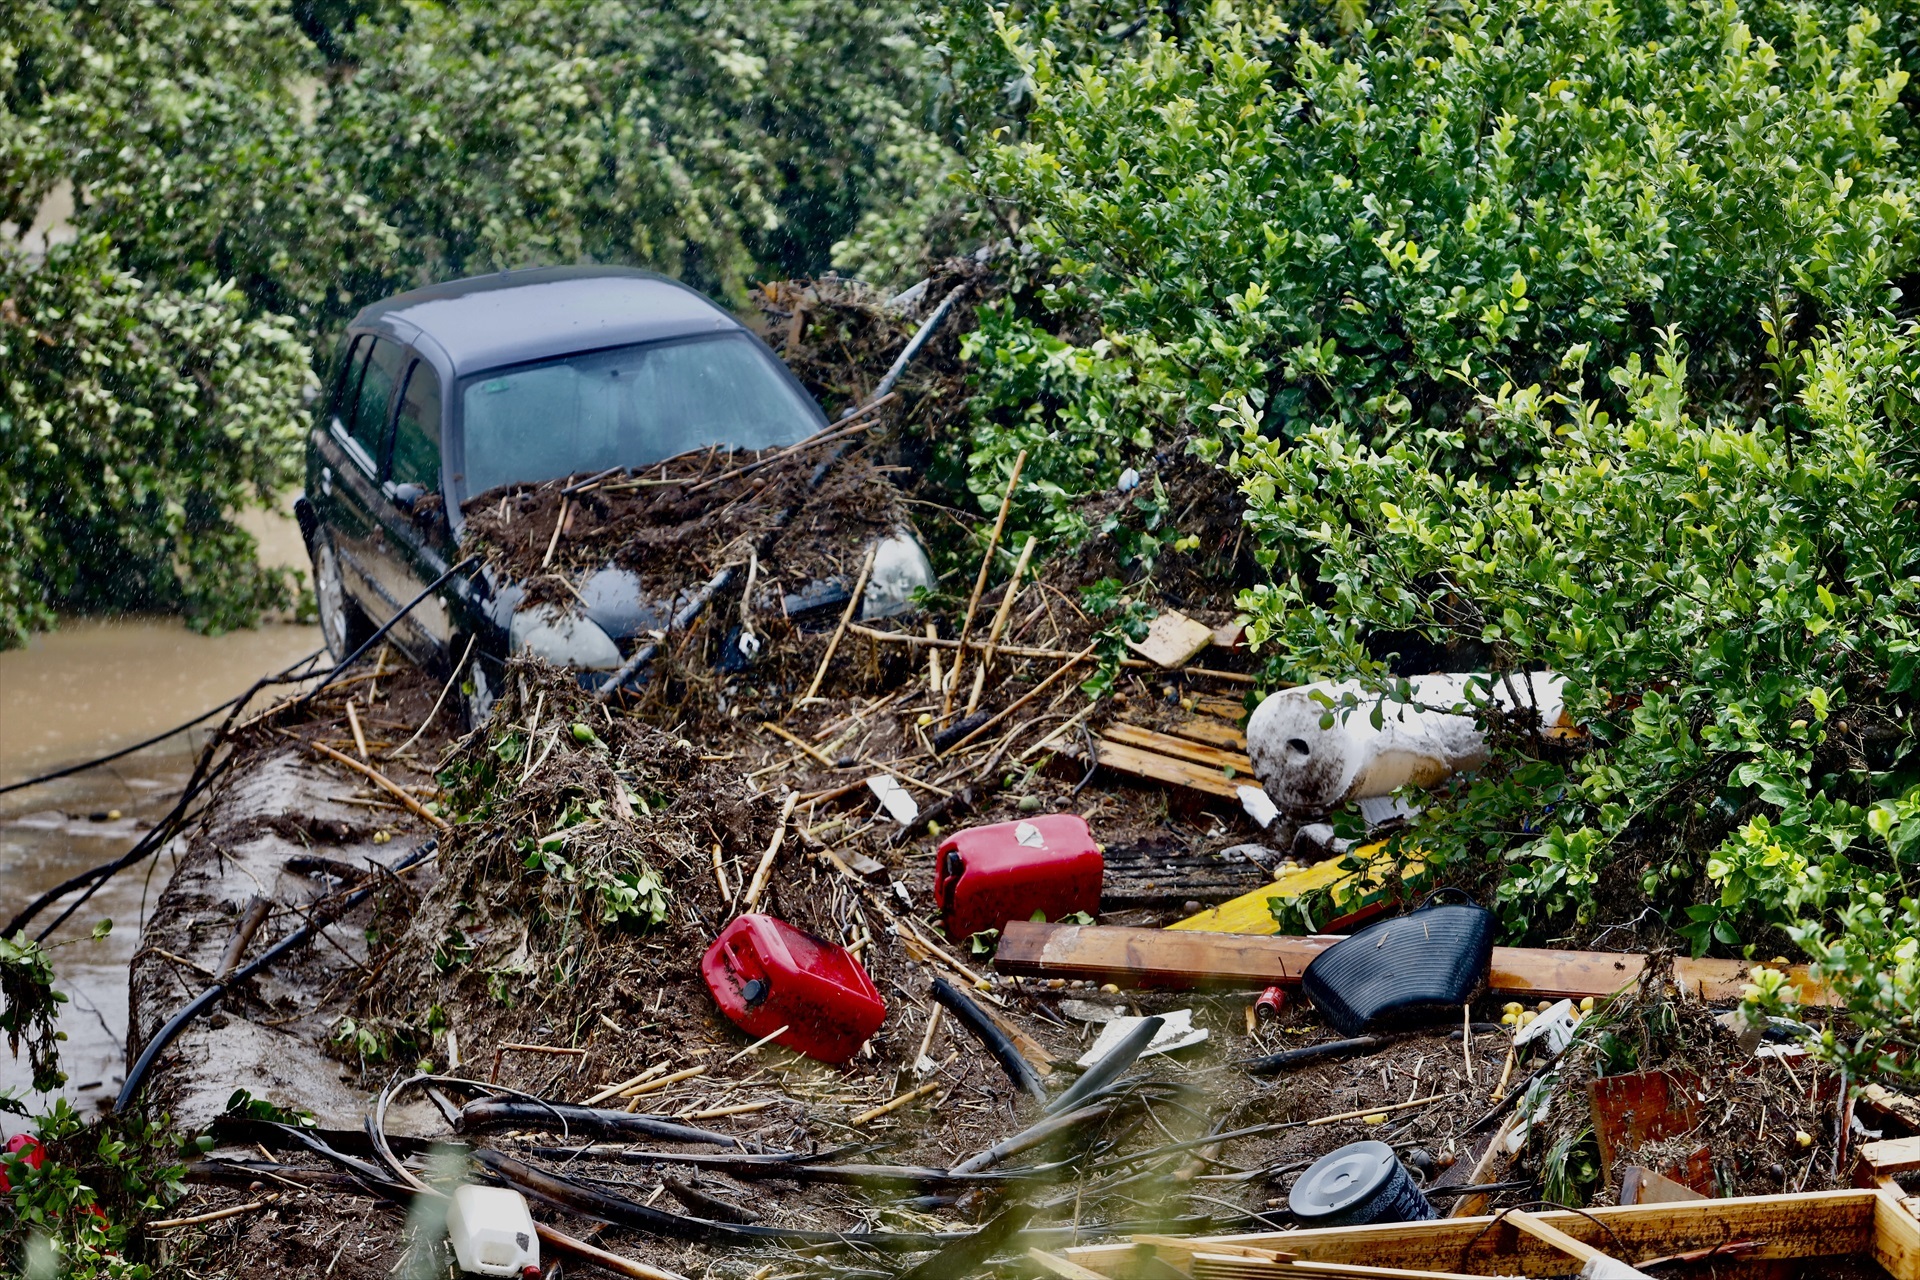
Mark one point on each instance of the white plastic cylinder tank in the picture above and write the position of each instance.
(1307, 769)
(492, 1232)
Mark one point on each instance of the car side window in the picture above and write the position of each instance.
(352, 365)
(416, 430)
(368, 426)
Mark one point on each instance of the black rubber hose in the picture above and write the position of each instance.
(1017, 1068)
(380, 632)
(1286, 1060)
(592, 1202)
(508, 1113)
(968, 1256)
(1108, 1068)
(292, 942)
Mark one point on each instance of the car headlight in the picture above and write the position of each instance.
(564, 639)
(900, 567)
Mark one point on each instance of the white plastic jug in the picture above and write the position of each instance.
(492, 1232)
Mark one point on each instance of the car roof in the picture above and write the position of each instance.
(511, 317)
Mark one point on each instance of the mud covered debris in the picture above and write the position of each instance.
(673, 533)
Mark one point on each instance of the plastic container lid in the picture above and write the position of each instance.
(1344, 1180)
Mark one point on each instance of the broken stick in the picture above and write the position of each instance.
(853, 604)
(985, 665)
(980, 585)
(765, 869)
(380, 780)
(1029, 695)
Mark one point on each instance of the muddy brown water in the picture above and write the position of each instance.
(85, 689)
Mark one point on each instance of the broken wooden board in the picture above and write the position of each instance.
(1880, 1162)
(1890, 1106)
(1163, 872)
(1166, 744)
(1169, 958)
(1173, 640)
(1640, 1185)
(1155, 767)
(1249, 913)
(1641, 1108)
(1215, 733)
(1220, 708)
(1826, 1224)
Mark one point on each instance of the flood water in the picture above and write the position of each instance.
(72, 694)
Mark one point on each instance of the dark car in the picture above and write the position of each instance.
(445, 393)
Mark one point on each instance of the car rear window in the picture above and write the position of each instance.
(629, 406)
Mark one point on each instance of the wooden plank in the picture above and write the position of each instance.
(1887, 1104)
(1067, 1269)
(1214, 733)
(1158, 768)
(1249, 912)
(1132, 735)
(1166, 958)
(1215, 1266)
(1644, 1186)
(1811, 1225)
(1896, 1243)
(1886, 1159)
(1222, 708)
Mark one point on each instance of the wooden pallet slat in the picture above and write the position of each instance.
(1155, 767)
(1166, 744)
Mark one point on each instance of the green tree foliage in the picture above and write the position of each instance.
(246, 171)
(1377, 229)
(1735, 604)
(133, 420)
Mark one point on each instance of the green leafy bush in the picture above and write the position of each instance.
(1735, 605)
(133, 421)
(73, 1217)
(1377, 229)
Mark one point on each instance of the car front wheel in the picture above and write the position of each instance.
(342, 625)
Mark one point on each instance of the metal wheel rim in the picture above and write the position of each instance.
(330, 600)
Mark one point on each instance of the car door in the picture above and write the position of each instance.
(352, 448)
(416, 539)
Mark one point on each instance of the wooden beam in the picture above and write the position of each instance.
(1812, 1225)
(1185, 960)
(1896, 1237)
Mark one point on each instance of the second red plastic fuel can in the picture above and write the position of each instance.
(986, 876)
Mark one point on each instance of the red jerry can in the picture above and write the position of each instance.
(765, 974)
(987, 876)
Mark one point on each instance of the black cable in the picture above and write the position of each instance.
(969, 1015)
(204, 774)
(380, 632)
(109, 758)
(298, 938)
(161, 831)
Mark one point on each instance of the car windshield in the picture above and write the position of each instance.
(629, 406)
